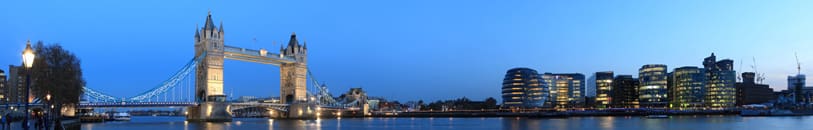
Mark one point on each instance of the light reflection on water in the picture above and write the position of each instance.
(478, 123)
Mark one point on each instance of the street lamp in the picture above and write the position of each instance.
(49, 113)
(28, 62)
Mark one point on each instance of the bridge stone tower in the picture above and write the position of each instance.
(293, 76)
(209, 71)
(209, 75)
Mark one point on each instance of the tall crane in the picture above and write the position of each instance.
(798, 64)
(759, 77)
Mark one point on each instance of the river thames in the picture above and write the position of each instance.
(494, 123)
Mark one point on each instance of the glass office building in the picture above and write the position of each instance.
(689, 88)
(523, 88)
(652, 92)
(604, 88)
(721, 78)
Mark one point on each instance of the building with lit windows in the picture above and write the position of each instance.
(3, 88)
(604, 88)
(624, 92)
(721, 80)
(16, 85)
(523, 88)
(653, 91)
(689, 88)
(566, 90)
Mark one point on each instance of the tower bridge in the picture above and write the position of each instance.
(203, 95)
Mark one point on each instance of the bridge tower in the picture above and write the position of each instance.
(209, 75)
(293, 76)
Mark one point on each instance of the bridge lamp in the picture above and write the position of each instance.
(28, 56)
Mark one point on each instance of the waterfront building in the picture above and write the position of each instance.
(796, 79)
(568, 87)
(688, 90)
(625, 92)
(653, 91)
(523, 88)
(795, 86)
(590, 90)
(750, 92)
(721, 79)
(603, 86)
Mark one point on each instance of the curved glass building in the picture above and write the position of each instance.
(689, 87)
(652, 91)
(523, 88)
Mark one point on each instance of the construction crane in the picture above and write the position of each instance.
(759, 77)
(739, 78)
(798, 64)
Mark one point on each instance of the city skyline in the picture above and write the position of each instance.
(419, 50)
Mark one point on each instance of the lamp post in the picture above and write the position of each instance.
(49, 113)
(28, 61)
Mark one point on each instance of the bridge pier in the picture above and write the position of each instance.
(209, 112)
(303, 111)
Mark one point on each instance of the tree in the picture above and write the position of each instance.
(490, 103)
(57, 72)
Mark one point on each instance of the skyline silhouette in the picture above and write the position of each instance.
(414, 50)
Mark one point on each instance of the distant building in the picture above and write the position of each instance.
(689, 88)
(604, 86)
(3, 88)
(16, 85)
(590, 90)
(749, 92)
(523, 88)
(721, 79)
(796, 86)
(652, 91)
(797, 79)
(566, 89)
(624, 92)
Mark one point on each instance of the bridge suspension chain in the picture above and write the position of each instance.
(165, 88)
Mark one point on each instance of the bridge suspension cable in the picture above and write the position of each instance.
(166, 88)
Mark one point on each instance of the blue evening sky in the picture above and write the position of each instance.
(414, 49)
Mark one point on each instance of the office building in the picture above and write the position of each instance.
(721, 79)
(652, 91)
(523, 88)
(796, 85)
(566, 89)
(603, 86)
(624, 92)
(688, 90)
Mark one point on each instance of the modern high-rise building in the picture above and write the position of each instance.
(523, 88)
(750, 92)
(568, 87)
(689, 88)
(624, 92)
(590, 90)
(653, 91)
(796, 86)
(793, 80)
(721, 78)
(604, 88)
